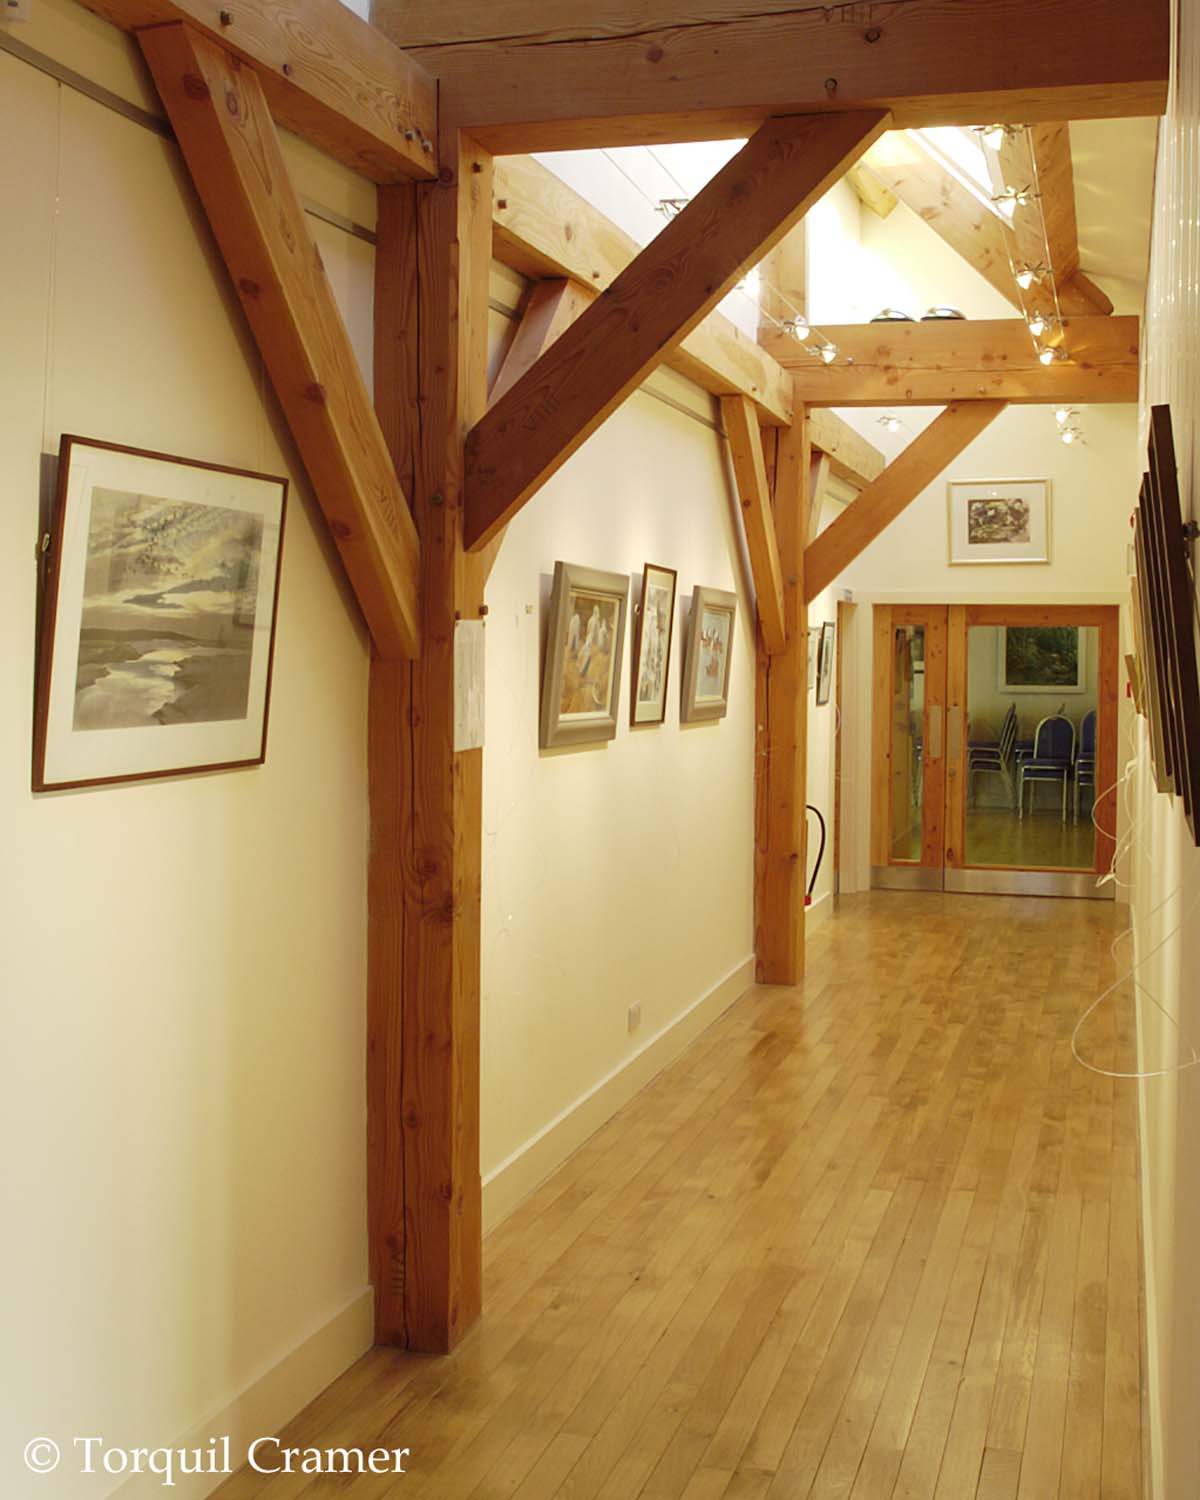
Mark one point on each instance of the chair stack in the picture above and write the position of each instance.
(1052, 759)
(1085, 760)
(994, 757)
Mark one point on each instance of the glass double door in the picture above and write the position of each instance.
(994, 748)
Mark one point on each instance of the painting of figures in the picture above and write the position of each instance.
(158, 619)
(710, 648)
(652, 654)
(582, 676)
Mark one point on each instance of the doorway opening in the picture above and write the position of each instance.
(994, 748)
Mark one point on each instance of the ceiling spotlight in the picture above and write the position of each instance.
(669, 207)
(797, 327)
(1013, 197)
(1026, 275)
(829, 353)
(1050, 356)
(1037, 324)
(1063, 415)
(1069, 435)
(994, 136)
(891, 421)
(891, 315)
(942, 313)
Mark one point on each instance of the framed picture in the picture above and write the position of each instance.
(825, 660)
(652, 649)
(158, 623)
(1000, 521)
(709, 655)
(582, 677)
(1042, 659)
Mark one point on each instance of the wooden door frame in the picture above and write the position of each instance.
(1103, 617)
(885, 618)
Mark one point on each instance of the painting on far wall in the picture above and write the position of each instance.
(709, 655)
(582, 677)
(999, 521)
(825, 661)
(159, 617)
(652, 650)
(1042, 659)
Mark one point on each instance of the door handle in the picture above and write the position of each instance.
(935, 731)
(955, 733)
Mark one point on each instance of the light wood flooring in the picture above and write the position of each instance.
(875, 1237)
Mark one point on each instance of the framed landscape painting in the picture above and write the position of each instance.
(825, 661)
(709, 655)
(1000, 521)
(582, 677)
(158, 621)
(652, 648)
(1042, 659)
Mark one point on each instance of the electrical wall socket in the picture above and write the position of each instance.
(635, 1015)
(15, 10)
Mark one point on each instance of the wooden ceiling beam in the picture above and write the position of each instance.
(655, 302)
(543, 229)
(229, 143)
(902, 165)
(929, 364)
(750, 474)
(328, 75)
(628, 75)
(927, 456)
(551, 309)
(850, 456)
(1043, 159)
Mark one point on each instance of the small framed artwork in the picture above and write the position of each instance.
(709, 655)
(825, 661)
(652, 648)
(1000, 521)
(582, 677)
(1042, 659)
(158, 623)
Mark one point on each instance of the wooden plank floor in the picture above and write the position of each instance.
(872, 1237)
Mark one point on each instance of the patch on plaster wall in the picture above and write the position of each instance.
(468, 685)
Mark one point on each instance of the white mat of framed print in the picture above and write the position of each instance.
(159, 618)
(999, 521)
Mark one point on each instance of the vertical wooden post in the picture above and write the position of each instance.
(782, 733)
(423, 1076)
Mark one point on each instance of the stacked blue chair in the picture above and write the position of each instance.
(994, 757)
(1085, 760)
(1053, 759)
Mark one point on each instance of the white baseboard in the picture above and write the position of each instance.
(530, 1165)
(816, 915)
(269, 1401)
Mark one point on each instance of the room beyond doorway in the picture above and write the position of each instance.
(994, 748)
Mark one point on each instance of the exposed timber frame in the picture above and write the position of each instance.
(327, 74)
(927, 364)
(675, 281)
(927, 456)
(221, 117)
(610, 74)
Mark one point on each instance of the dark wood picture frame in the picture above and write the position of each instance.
(1167, 594)
(63, 540)
(639, 645)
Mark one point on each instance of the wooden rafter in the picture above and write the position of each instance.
(902, 164)
(543, 229)
(850, 456)
(551, 309)
(232, 150)
(671, 286)
(1052, 172)
(901, 482)
(587, 76)
(781, 733)
(328, 75)
(750, 474)
(928, 364)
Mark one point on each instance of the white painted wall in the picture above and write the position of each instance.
(621, 872)
(182, 962)
(1165, 862)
